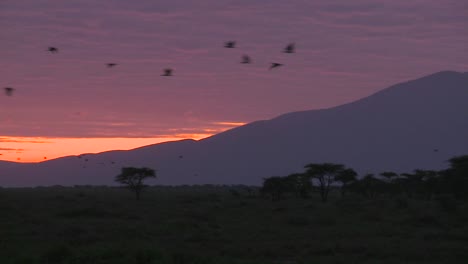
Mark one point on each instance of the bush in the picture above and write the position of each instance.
(57, 255)
(447, 202)
(401, 203)
(298, 221)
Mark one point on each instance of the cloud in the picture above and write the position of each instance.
(229, 123)
(8, 149)
(82, 126)
(19, 140)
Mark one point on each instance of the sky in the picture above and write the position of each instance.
(70, 103)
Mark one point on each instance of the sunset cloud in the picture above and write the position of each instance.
(21, 140)
(8, 149)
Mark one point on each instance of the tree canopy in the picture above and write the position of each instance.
(134, 178)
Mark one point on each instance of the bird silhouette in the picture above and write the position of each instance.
(275, 65)
(9, 91)
(53, 49)
(110, 65)
(167, 72)
(290, 48)
(246, 59)
(230, 44)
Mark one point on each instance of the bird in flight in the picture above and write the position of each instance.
(110, 65)
(290, 48)
(230, 44)
(275, 65)
(53, 49)
(167, 72)
(9, 91)
(246, 59)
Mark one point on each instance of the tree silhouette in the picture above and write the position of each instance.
(391, 182)
(369, 186)
(413, 183)
(457, 176)
(431, 183)
(299, 183)
(346, 177)
(389, 175)
(275, 186)
(325, 173)
(134, 177)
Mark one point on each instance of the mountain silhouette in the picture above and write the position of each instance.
(396, 129)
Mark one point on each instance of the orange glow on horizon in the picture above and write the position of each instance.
(37, 149)
(230, 123)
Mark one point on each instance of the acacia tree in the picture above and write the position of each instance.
(458, 176)
(413, 183)
(275, 186)
(391, 181)
(389, 175)
(325, 173)
(134, 177)
(369, 186)
(372, 185)
(299, 183)
(430, 183)
(346, 177)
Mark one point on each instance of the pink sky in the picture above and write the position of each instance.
(345, 50)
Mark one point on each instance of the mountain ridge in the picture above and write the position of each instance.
(395, 129)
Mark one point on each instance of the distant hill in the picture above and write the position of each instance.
(416, 124)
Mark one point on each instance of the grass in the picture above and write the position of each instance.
(177, 225)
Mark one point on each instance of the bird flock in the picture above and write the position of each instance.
(290, 48)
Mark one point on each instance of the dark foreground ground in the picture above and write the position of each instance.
(214, 225)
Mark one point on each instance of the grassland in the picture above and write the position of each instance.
(209, 224)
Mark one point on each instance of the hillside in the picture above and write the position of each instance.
(415, 124)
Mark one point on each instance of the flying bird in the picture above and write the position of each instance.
(230, 44)
(9, 91)
(275, 65)
(289, 48)
(246, 59)
(110, 65)
(53, 49)
(167, 72)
